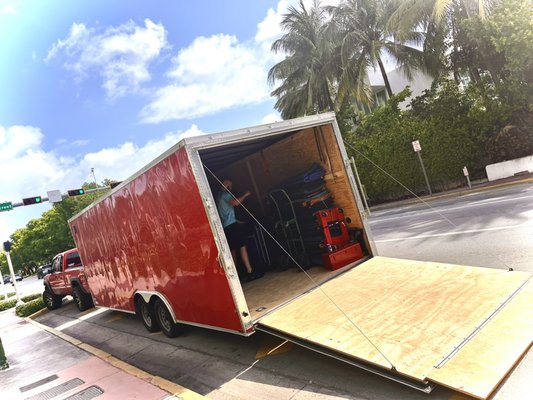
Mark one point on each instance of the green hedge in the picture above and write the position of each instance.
(456, 128)
(7, 304)
(31, 297)
(30, 307)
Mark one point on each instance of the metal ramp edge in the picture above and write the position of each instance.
(423, 386)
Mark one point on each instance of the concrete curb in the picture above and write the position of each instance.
(446, 195)
(175, 390)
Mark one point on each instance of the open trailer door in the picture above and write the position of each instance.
(417, 322)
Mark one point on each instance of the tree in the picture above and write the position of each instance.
(44, 237)
(306, 74)
(364, 39)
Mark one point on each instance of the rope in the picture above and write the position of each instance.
(316, 285)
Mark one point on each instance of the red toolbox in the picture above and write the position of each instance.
(338, 250)
(343, 256)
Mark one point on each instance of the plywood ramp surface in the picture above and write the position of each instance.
(415, 313)
(278, 287)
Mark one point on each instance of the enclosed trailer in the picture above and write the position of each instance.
(155, 245)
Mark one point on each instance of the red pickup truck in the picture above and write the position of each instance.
(67, 278)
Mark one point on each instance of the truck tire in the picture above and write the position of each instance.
(51, 301)
(165, 321)
(82, 300)
(146, 312)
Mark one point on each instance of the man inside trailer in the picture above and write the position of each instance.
(234, 229)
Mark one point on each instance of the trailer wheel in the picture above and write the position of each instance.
(82, 300)
(165, 321)
(146, 312)
(51, 301)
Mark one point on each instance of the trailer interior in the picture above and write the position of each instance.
(262, 166)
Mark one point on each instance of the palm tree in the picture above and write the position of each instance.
(306, 74)
(364, 40)
(444, 33)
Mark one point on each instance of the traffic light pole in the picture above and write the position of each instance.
(19, 301)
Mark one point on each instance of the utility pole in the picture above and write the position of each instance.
(94, 177)
(7, 249)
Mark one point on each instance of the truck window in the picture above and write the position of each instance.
(73, 260)
(56, 264)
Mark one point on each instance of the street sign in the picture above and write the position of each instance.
(7, 206)
(54, 196)
(465, 171)
(416, 146)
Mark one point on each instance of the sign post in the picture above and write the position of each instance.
(418, 149)
(465, 172)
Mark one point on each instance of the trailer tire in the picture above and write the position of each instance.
(51, 301)
(146, 312)
(165, 320)
(82, 300)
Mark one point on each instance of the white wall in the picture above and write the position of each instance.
(506, 169)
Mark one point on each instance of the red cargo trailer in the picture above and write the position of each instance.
(155, 246)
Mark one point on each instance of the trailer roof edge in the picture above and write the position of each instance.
(212, 139)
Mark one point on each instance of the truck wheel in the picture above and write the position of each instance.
(82, 300)
(165, 321)
(146, 312)
(51, 301)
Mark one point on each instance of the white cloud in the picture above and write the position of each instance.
(219, 72)
(269, 29)
(212, 74)
(9, 9)
(120, 55)
(272, 117)
(31, 171)
(120, 162)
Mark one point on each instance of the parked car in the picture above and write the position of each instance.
(7, 278)
(44, 270)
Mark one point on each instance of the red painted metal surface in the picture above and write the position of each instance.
(153, 235)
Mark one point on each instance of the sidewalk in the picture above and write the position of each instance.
(44, 364)
(500, 183)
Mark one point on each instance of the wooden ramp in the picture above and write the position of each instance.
(461, 327)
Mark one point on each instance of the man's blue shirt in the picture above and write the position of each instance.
(225, 209)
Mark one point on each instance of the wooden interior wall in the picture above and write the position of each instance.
(267, 169)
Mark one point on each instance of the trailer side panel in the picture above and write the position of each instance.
(153, 235)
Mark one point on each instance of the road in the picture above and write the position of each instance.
(487, 229)
(28, 285)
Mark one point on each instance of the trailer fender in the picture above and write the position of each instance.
(150, 297)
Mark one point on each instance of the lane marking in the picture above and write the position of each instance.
(499, 228)
(430, 211)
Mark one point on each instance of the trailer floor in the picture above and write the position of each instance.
(461, 327)
(278, 287)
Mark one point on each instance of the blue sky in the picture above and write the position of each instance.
(111, 85)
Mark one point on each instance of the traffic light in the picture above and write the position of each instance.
(76, 192)
(7, 246)
(32, 200)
